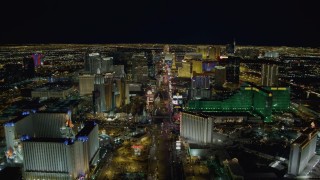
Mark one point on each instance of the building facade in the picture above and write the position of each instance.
(198, 127)
(86, 84)
(47, 151)
(247, 99)
(233, 70)
(209, 52)
(196, 66)
(269, 75)
(301, 151)
(100, 93)
(46, 92)
(200, 87)
(220, 75)
(185, 70)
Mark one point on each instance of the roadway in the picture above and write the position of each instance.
(159, 156)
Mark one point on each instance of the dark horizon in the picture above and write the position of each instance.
(264, 23)
(151, 43)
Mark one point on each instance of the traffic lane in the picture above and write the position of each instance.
(164, 157)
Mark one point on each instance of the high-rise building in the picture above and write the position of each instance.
(119, 91)
(50, 149)
(151, 64)
(209, 52)
(137, 66)
(200, 81)
(106, 64)
(233, 70)
(118, 71)
(140, 74)
(208, 66)
(261, 101)
(109, 84)
(185, 70)
(93, 61)
(196, 66)
(231, 48)
(269, 75)
(38, 59)
(192, 56)
(86, 83)
(28, 67)
(220, 75)
(127, 93)
(168, 58)
(198, 127)
(106, 95)
(99, 93)
(166, 49)
(302, 150)
(200, 87)
(174, 65)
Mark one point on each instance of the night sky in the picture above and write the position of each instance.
(259, 22)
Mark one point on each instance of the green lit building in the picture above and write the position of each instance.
(249, 98)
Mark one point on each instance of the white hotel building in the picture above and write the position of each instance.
(302, 150)
(48, 148)
(198, 127)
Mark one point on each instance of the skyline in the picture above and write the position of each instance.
(262, 23)
(159, 111)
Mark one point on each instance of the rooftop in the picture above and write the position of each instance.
(87, 129)
(57, 140)
(309, 131)
(301, 140)
(210, 114)
(14, 120)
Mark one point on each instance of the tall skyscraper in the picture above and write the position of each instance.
(28, 67)
(86, 83)
(209, 52)
(100, 94)
(185, 70)
(109, 81)
(231, 48)
(200, 81)
(38, 59)
(107, 64)
(233, 70)
(301, 151)
(151, 65)
(269, 75)
(119, 92)
(166, 49)
(93, 61)
(200, 87)
(220, 75)
(196, 66)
